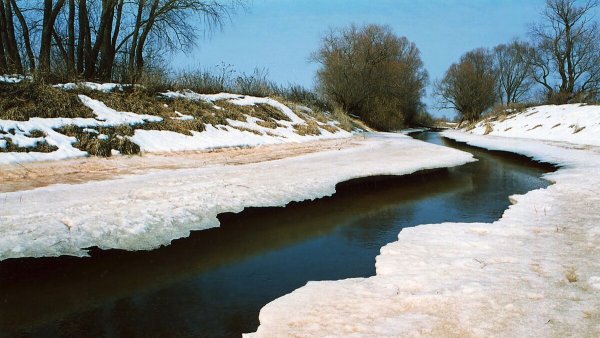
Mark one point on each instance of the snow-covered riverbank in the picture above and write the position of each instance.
(144, 211)
(534, 272)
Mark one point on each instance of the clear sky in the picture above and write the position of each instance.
(280, 35)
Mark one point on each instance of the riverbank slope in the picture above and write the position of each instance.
(531, 273)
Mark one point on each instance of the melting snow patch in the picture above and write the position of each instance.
(101, 87)
(13, 78)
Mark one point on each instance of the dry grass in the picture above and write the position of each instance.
(36, 133)
(132, 100)
(571, 275)
(488, 128)
(345, 122)
(25, 100)
(310, 128)
(117, 139)
(178, 126)
(268, 124)
(329, 128)
(248, 130)
(205, 112)
(578, 129)
(264, 112)
(28, 99)
(40, 147)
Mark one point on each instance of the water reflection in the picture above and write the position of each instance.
(215, 282)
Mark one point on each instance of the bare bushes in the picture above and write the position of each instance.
(370, 72)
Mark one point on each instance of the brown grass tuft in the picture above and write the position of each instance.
(310, 128)
(25, 100)
(40, 147)
(117, 138)
(488, 129)
(330, 128)
(248, 130)
(268, 124)
(135, 100)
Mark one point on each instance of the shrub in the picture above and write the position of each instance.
(370, 72)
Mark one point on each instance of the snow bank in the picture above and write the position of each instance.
(534, 272)
(105, 117)
(142, 212)
(573, 123)
(228, 136)
(155, 140)
(240, 100)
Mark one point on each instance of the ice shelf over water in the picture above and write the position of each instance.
(533, 273)
(145, 211)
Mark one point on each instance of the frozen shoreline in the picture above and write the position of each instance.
(145, 211)
(531, 273)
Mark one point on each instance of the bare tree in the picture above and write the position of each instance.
(8, 39)
(50, 12)
(87, 38)
(469, 86)
(567, 59)
(25, 35)
(370, 72)
(513, 71)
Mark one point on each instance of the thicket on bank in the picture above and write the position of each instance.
(370, 72)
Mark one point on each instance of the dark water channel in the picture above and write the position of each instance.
(214, 283)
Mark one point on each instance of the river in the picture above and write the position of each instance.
(214, 283)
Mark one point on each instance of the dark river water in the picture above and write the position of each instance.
(214, 283)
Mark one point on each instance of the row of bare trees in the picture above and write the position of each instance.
(100, 39)
(562, 62)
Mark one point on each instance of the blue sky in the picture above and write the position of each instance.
(279, 35)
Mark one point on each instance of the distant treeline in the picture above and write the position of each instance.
(99, 39)
(559, 64)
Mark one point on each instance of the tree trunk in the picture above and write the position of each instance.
(85, 64)
(139, 53)
(25, 32)
(134, 40)
(50, 14)
(3, 66)
(71, 40)
(11, 40)
(103, 40)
